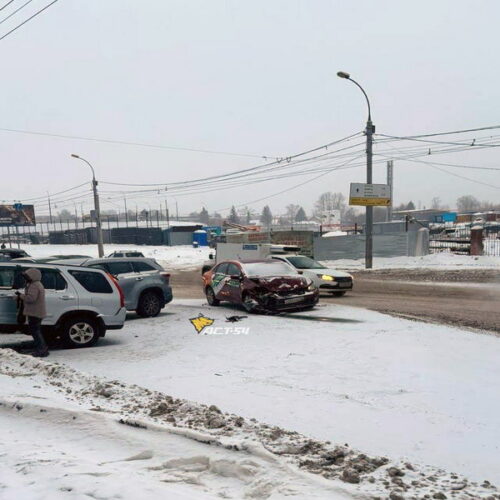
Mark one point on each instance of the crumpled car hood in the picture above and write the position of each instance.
(281, 283)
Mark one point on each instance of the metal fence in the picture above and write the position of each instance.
(459, 241)
(491, 245)
(451, 240)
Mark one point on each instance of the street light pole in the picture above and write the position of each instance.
(370, 129)
(100, 246)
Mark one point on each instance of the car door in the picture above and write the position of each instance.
(8, 309)
(60, 295)
(232, 286)
(219, 280)
(126, 277)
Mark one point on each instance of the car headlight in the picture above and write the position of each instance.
(326, 277)
(311, 287)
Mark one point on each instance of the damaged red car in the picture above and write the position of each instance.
(259, 286)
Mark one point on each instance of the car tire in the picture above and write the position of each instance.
(149, 305)
(338, 294)
(211, 299)
(80, 331)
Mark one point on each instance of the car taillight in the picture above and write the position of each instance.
(119, 288)
(166, 277)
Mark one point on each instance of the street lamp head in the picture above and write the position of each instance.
(343, 74)
(74, 156)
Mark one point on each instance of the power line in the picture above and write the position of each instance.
(471, 144)
(15, 12)
(466, 178)
(6, 5)
(140, 144)
(29, 19)
(446, 133)
(285, 160)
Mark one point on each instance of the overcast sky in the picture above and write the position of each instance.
(255, 77)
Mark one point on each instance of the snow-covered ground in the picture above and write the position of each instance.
(443, 261)
(183, 257)
(386, 386)
(53, 448)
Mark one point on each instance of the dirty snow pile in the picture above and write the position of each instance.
(442, 260)
(171, 258)
(239, 457)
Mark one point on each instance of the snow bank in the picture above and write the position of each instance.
(442, 260)
(278, 463)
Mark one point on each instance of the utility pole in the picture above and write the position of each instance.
(390, 180)
(176, 210)
(369, 131)
(100, 245)
(126, 211)
(50, 208)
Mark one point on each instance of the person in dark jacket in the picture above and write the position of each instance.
(34, 309)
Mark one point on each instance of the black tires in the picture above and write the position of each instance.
(211, 299)
(80, 331)
(149, 305)
(338, 294)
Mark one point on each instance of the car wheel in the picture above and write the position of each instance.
(211, 299)
(338, 294)
(80, 332)
(149, 305)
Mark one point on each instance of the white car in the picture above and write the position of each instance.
(81, 303)
(326, 279)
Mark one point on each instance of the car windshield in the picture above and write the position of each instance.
(271, 268)
(303, 262)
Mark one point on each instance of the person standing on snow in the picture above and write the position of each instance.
(34, 308)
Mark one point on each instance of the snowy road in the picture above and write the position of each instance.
(384, 385)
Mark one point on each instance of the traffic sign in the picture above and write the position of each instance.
(370, 195)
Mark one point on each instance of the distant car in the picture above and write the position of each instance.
(144, 282)
(260, 286)
(13, 253)
(326, 279)
(125, 253)
(81, 303)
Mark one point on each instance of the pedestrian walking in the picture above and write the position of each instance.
(34, 309)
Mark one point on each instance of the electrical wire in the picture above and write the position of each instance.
(140, 144)
(15, 12)
(286, 160)
(492, 127)
(7, 4)
(29, 19)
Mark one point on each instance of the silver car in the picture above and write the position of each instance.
(144, 282)
(81, 303)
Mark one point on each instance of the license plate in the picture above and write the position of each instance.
(293, 300)
(345, 285)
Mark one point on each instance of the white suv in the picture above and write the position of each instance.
(81, 303)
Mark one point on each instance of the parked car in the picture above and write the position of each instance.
(81, 303)
(13, 253)
(260, 286)
(125, 253)
(326, 279)
(144, 282)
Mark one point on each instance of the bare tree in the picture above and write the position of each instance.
(468, 203)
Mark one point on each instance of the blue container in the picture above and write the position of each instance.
(200, 238)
